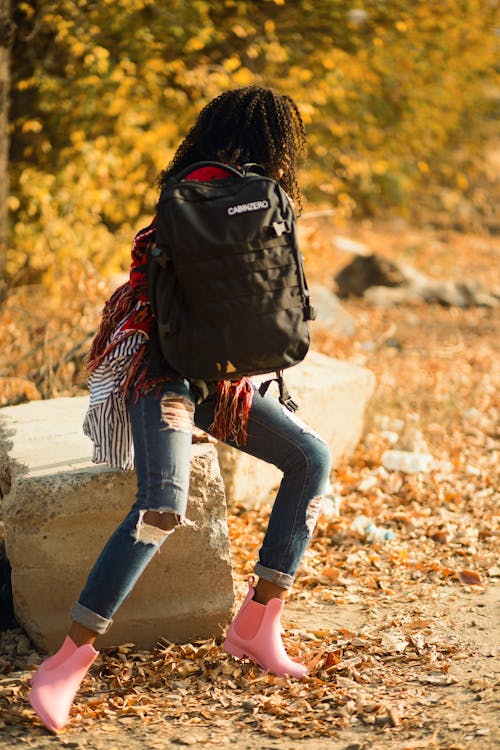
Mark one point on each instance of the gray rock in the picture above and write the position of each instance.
(330, 313)
(456, 294)
(385, 283)
(62, 509)
(366, 271)
(385, 296)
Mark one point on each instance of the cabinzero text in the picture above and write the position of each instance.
(255, 206)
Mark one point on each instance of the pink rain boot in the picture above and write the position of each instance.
(56, 681)
(255, 632)
(68, 648)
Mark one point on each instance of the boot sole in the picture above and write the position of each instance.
(233, 649)
(239, 653)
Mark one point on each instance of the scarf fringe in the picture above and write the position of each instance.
(136, 372)
(116, 308)
(232, 407)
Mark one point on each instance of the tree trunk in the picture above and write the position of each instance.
(6, 35)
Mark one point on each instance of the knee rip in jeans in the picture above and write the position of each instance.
(177, 412)
(149, 532)
(312, 512)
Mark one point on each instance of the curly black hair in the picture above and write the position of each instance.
(243, 125)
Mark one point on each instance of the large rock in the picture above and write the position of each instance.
(366, 271)
(329, 312)
(382, 282)
(60, 511)
(332, 397)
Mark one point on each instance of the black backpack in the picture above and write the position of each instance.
(226, 278)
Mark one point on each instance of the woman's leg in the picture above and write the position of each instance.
(161, 426)
(276, 436)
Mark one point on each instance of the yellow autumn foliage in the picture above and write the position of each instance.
(396, 97)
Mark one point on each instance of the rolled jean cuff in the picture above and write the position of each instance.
(283, 580)
(89, 619)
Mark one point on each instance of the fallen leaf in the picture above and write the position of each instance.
(443, 680)
(331, 573)
(345, 682)
(393, 715)
(418, 641)
(394, 642)
(190, 740)
(470, 577)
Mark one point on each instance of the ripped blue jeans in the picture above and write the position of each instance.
(162, 427)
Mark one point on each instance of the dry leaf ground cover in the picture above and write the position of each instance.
(401, 637)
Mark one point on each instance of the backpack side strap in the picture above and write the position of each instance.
(284, 397)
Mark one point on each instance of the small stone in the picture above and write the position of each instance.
(23, 646)
(393, 715)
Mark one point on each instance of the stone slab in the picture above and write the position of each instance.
(332, 397)
(60, 511)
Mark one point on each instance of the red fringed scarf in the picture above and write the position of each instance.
(234, 399)
(128, 307)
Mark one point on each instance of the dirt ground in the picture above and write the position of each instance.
(401, 638)
(450, 707)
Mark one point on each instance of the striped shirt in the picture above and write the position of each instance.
(107, 421)
(117, 360)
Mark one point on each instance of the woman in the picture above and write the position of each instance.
(141, 413)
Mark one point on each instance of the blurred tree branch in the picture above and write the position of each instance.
(398, 99)
(6, 39)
